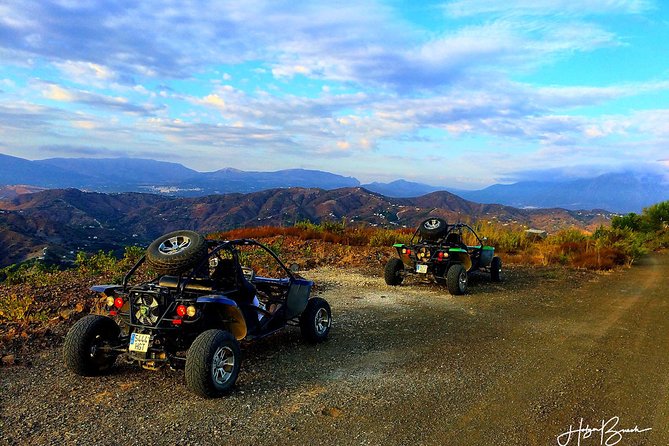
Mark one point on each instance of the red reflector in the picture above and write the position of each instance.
(408, 251)
(118, 302)
(440, 255)
(113, 313)
(176, 321)
(181, 310)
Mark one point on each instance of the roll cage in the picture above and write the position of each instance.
(456, 228)
(214, 247)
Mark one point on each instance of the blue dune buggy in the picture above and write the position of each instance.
(194, 313)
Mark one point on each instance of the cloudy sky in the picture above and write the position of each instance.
(457, 93)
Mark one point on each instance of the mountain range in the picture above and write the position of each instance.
(620, 192)
(68, 220)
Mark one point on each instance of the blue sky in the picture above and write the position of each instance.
(460, 93)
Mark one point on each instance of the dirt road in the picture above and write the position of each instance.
(514, 363)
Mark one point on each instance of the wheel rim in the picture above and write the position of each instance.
(95, 345)
(321, 321)
(462, 280)
(222, 365)
(98, 356)
(432, 224)
(174, 245)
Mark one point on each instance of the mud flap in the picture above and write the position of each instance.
(298, 295)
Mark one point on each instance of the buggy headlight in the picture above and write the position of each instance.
(110, 301)
(190, 311)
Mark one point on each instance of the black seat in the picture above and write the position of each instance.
(228, 275)
(453, 238)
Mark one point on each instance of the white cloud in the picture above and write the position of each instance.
(463, 8)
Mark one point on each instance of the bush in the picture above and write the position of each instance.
(630, 221)
(33, 273)
(387, 237)
(101, 262)
(656, 217)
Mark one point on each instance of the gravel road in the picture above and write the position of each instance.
(513, 363)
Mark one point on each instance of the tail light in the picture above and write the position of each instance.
(181, 310)
(118, 302)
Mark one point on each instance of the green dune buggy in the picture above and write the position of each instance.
(438, 250)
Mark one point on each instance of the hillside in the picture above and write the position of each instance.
(72, 220)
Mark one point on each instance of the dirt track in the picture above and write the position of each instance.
(511, 363)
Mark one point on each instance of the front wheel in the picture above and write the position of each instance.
(496, 269)
(456, 279)
(85, 347)
(212, 363)
(316, 320)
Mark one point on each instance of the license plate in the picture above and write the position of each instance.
(139, 342)
(422, 269)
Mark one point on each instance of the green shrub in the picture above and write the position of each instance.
(33, 273)
(101, 262)
(656, 217)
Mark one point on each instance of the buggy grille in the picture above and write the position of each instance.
(146, 308)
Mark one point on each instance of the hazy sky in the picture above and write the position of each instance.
(458, 93)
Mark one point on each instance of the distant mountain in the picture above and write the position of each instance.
(401, 188)
(146, 175)
(617, 192)
(130, 171)
(72, 220)
(233, 180)
(15, 171)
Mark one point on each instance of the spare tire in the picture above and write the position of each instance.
(176, 252)
(433, 228)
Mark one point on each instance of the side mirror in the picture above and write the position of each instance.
(294, 267)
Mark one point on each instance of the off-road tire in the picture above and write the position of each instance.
(496, 269)
(456, 279)
(181, 259)
(79, 348)
(433, 228)
(392, 272)
(200, 370)
(316, 320)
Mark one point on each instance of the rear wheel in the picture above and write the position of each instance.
(84, 346)
(496, 269)
(393, 272)
(316, 320)
(212, 363)
(457, 279)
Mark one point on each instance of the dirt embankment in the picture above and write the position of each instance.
(510, 363)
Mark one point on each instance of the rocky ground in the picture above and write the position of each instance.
(511, 363)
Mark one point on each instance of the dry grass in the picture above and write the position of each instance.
(603, 250)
